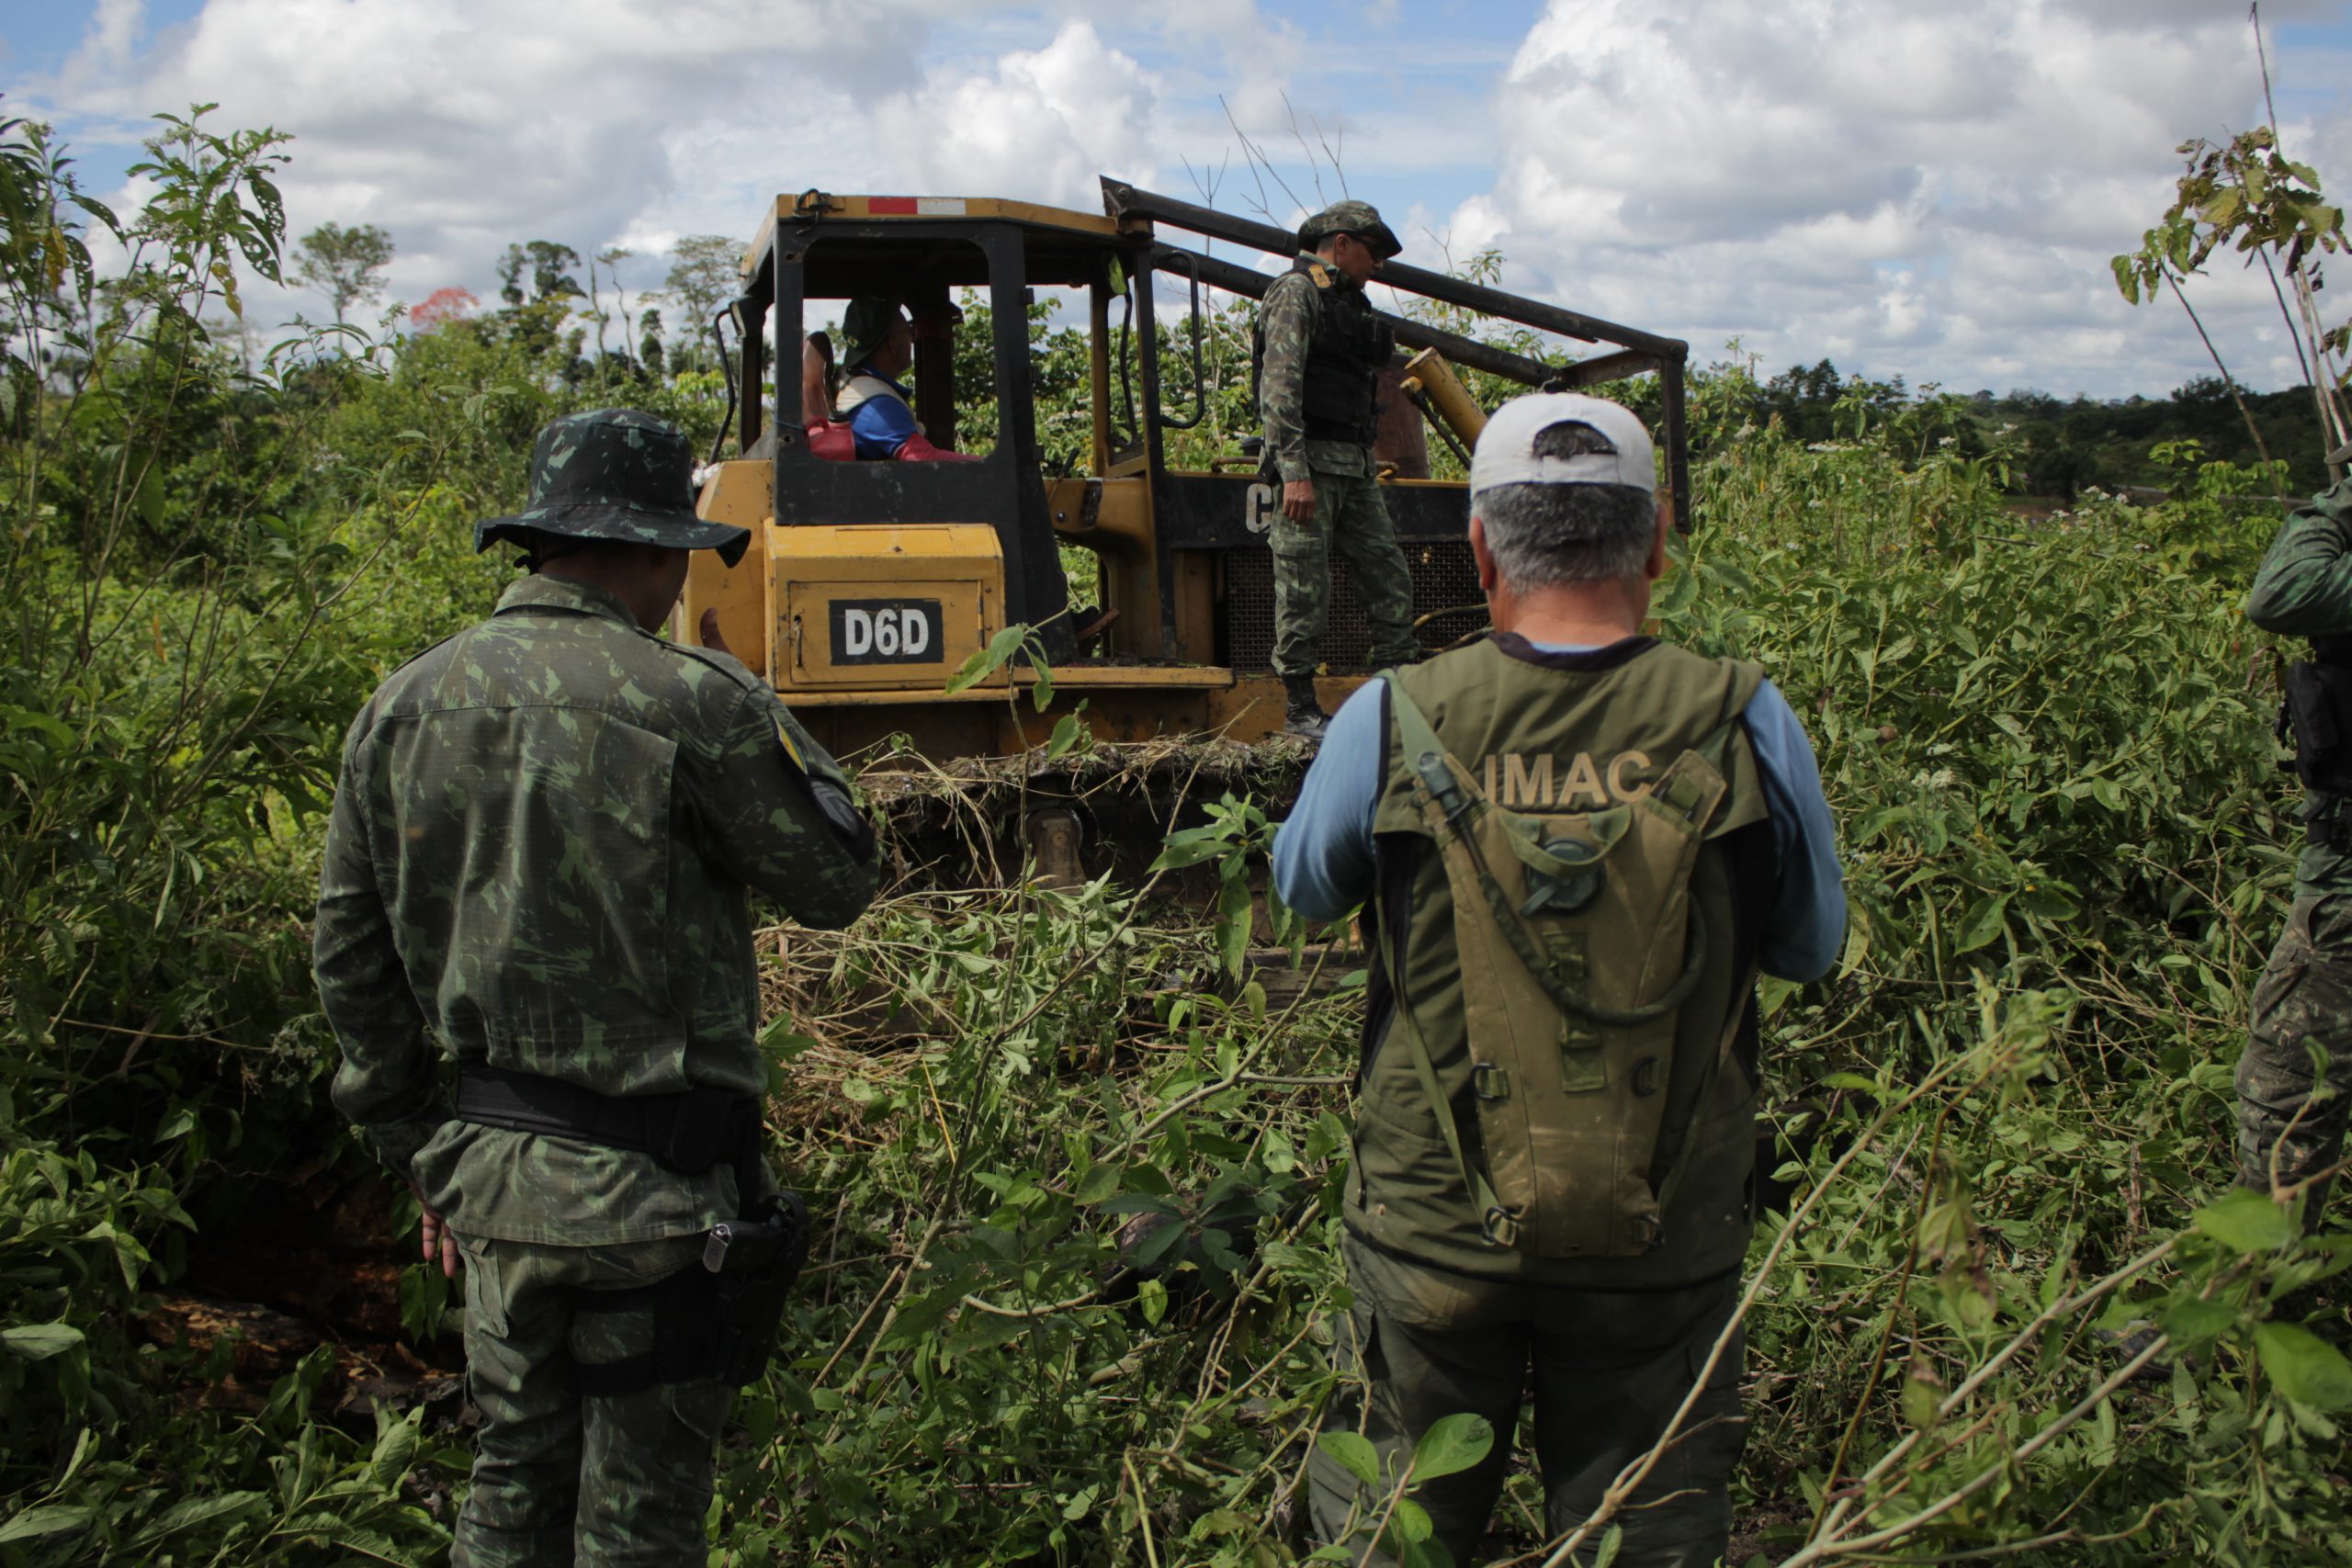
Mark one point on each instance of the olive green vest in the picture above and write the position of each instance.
(1566, 967)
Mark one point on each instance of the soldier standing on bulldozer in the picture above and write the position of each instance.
(1320, 352)
(1555, 1132)
(2291, 1111)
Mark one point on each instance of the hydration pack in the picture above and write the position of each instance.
(1580, 943)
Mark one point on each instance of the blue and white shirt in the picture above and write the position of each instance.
(1323, 855)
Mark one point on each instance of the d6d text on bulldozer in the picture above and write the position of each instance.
(869, 584)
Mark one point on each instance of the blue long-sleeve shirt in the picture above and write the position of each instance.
(1323, 854)
(881, 424)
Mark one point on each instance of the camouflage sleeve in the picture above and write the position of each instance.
(1288, 322)
(776, 811)
(389, 1079)
(2304, 588)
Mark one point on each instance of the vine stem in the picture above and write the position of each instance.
(2227, 380)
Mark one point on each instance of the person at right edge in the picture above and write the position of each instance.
(1319, 351)
(1575, 847)
(2291, 1113)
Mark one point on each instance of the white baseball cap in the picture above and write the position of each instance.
(1506, 455)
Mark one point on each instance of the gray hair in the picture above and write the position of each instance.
(1543, 535)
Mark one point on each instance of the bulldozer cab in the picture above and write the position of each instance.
(871, 582)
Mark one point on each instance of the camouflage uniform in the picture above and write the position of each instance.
(2291, 1112)
(537, 861)
(1349, 511)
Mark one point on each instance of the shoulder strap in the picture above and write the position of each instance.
(1426, 754)
(1683, 792)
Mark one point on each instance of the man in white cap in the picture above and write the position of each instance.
(1575, 846)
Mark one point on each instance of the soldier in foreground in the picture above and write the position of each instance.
(1575, 846)
(542, 839)
(2291, 1116)
(1319, 353)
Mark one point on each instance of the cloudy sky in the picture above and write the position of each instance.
(1911, 187)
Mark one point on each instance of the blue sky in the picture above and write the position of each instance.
(1930, 189)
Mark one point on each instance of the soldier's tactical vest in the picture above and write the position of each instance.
(1344, 359)
(2316, 714)
(1569, 975)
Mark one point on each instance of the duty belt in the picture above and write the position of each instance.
(688, 1131)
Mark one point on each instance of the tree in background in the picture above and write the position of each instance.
(345, 264)
(701, 278)
(547, 269)
(2248, 195)
(441, 307)
(609, 259)
(649, 346)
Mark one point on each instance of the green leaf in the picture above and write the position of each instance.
(50, 1519)
(396, 1445)
(1986, 920)
(1156, 1244)
(2246, 1221)
(2193, 1320)
(989, 660)
(1233, 920)
(196, 1511)
(1612, 1543)
(1353, 1452)
(1152, 1296)
(2049, 901)
(1042, 694)
(1191, 846)
(1453, 1444)
(1068, 731)
(1412, 1521)
(2305, 1367)
(39, 1341)
(149, 497)
(1099, 1182)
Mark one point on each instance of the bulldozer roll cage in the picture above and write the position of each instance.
(870, 582)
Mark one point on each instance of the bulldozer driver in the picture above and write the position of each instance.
(1320, 352)
(877, 348)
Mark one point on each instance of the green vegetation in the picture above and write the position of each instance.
(1075, 1168)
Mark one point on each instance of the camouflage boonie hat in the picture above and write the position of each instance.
(614, 474)
(865, 326)
(1358, 217)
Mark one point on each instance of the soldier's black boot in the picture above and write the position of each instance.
(1307, 720)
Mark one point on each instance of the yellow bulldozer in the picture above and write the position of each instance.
(869, 584)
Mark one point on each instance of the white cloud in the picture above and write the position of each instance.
(462, 127)
(1039, 125)
(1934, 191)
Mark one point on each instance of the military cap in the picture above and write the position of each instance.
(865, 326)
(614, 474)
(1358, 217)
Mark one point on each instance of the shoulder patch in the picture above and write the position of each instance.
(1320, 273)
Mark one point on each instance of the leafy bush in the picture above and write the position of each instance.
(1076, 1171)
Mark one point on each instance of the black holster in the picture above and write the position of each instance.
(717, 1319)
